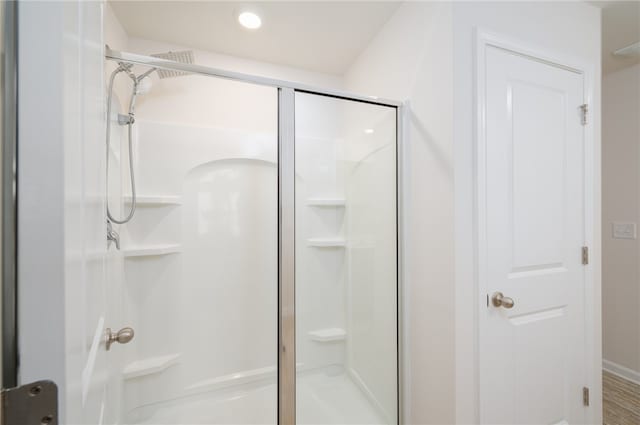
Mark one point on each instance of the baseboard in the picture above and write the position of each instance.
(621, 371)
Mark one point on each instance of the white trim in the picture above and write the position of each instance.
(621, 371)
(403, 206)
(485, 39)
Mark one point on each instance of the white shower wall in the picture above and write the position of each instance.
(346, 152)
(204, 307)
(372, 296)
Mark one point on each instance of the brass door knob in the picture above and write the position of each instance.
(123, 336)
(499, 300)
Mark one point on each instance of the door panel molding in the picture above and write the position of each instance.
(484, 40)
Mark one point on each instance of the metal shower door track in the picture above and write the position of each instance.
(239, 76)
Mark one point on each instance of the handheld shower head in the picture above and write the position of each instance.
(144, 85)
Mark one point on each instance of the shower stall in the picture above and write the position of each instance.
(260, 270)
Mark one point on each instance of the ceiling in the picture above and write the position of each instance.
(314, 35)
(321, 36)
(620, 28)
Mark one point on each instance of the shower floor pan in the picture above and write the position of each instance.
(322, 398)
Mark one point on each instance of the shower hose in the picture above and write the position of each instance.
(129, 122)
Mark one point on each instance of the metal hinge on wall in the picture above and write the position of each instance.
(585, 255)
(585, 396)
(584, 109)
(30, 404)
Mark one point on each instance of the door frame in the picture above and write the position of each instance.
(483, 40)
(8, 233)
(286, 248)
(286, 229)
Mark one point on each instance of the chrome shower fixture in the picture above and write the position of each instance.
(184, 56)
(127, 120)
(141, 85)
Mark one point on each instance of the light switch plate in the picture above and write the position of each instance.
(624, 230)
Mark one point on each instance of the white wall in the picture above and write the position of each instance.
(411, 59)
(425, 54)
(116, 38)
(372, 253)
(236, 64)
(30, 271)
(568, 29)
(621, 203)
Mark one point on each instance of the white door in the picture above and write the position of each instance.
(531, 233)
(68, 291)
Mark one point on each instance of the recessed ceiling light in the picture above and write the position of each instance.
(250, 20)
(368, 130)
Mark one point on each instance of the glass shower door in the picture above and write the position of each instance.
(260, 269)
(346, 261)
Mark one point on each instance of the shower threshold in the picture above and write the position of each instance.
(323, 397)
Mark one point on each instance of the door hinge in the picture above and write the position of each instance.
(584, 109)
(31, 404)
(585, 255)
(585, 396)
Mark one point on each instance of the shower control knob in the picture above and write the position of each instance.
(123, 336)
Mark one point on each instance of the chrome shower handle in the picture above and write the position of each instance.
(123, 336)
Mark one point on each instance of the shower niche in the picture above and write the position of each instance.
(200, 257)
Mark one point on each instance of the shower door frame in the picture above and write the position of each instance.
(286, 217)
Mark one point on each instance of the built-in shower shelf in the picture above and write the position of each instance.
(327, 242)
(151, 250)
(154, 201)
(326, 202)
(328, 335)
(149, 366)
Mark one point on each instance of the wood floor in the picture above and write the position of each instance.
(621, 401)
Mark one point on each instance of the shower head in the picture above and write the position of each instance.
(184, 56)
